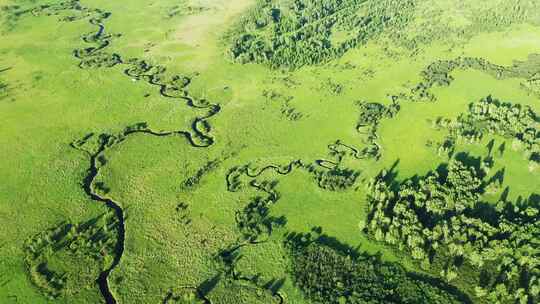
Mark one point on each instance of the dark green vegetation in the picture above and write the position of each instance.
(4, 87)
(140, 164)
(491, 116)
(3, 90)
(296, 33)
(170, 86)
(371, 115)
(439, 74)
(325, 270)
(328, 173)
(342, 275)
(441, 220)
(63, 259)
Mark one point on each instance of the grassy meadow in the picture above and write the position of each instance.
(95, 210)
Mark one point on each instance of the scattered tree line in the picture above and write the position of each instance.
(254, 221)
(255, 225)
(194, 180)
(3, 87)
(501, 15)
(329, 174)
(491, 116)
(371, 114)
(532, 85)
(287, 110)
(185, 8)
(290, 112)
(439, 74)
(3, 90)
(441, 220)
(90, 246)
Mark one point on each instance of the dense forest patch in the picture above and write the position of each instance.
(442, 221)
(297, 33)
(329, 272)
(304, 32)
(457, 24)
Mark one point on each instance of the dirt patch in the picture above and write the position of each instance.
(194, 28)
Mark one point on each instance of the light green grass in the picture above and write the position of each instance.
(56, 103)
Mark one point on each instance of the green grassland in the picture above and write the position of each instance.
(269, 151)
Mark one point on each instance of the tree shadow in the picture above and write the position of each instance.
(498, 177)
(523, 211)
(501, 149)
(390, 176)
(490, 146)
(207, 286)
(274, 285)
(486, 212)
(442, 285)
(469, 161)
(505, 194)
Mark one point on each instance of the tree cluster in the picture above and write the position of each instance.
(255, 222)
(439, 73)
(371, 114)
(194, 180)
(334, 179)
(302, 32)
(328, 275)
(184, 296)
(491, 116)
(92, 243)
(442, 222)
